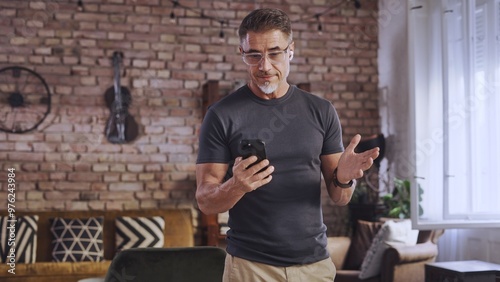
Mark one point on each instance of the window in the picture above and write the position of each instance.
(455, 111)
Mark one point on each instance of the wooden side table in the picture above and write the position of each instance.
(462, 271)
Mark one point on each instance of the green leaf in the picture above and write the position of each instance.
(395, 212)
(399, 201)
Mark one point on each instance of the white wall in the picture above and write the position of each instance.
(470, 244)
(463, 244)
(393, 86)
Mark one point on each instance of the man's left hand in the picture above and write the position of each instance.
(351, 165)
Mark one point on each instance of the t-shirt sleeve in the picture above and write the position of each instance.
(332, 142)
(213, 146)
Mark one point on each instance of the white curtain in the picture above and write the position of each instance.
(449, 246)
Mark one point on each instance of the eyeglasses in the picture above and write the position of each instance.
(275, 57)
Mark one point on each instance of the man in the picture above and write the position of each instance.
(276, 223)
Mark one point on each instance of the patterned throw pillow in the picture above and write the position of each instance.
(21, 236)
(78, 239)
(391, 233)
(139, 232)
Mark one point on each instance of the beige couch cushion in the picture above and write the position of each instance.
(337, 248)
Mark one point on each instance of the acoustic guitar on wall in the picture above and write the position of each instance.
(121, 126)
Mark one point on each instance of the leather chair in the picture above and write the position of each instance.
(399, 263)
(167, 264)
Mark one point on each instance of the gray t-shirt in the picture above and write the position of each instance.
(280, 223)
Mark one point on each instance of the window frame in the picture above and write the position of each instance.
(418, 83)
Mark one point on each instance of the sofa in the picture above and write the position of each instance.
(398, 262)
(177, 232)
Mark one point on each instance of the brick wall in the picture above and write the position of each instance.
(68, 164)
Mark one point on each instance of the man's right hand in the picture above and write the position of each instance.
(215, 196)
(247, 176)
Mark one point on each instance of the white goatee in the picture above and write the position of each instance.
(268, 88)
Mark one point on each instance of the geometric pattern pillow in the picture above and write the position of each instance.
(139, 232)
(77, 239)
(19, 236)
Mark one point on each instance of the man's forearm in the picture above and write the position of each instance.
(340, 196)
(215, 198)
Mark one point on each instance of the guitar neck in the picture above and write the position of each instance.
(117, 86)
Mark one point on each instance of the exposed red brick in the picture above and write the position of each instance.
(84, 177)
(57, 176)
(128, 177)
(91, 17)
(62, 195)
(67, 163)
(116, 196)
(114, 205)
(73, 186)
(149, 204)
(96, 205)
(25, 156)
(131, 205)
(126, 186)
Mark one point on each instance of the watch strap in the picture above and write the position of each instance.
(337, 182)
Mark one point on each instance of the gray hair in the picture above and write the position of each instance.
(262, 20)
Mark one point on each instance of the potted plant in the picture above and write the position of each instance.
(365, 204)
(361, 194)
(398, 202)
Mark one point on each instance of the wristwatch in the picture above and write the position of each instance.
(337, 182)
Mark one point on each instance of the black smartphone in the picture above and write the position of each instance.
(253, 147)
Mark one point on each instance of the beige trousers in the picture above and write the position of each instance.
(241, 270)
